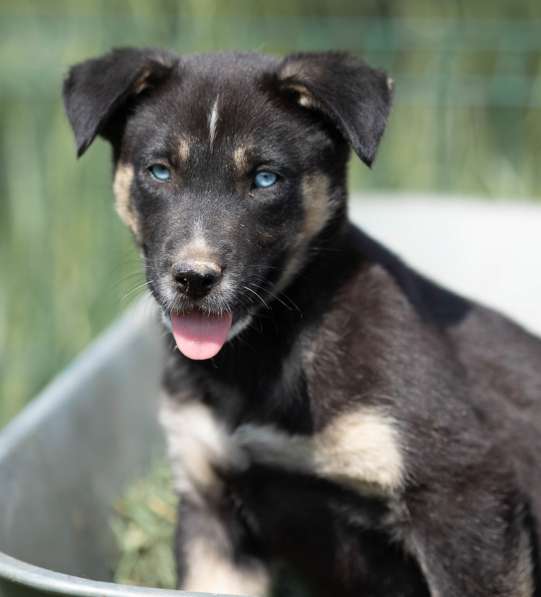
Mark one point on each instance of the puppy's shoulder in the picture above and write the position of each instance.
(370, 309)
(384, 329)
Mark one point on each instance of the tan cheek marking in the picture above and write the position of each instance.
(359, 450)
(317, 212)
(317, 204)
(211, 571)
(122, 190)
(184, 149)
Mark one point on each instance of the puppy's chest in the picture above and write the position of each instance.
(298, 390)
(297, 420)
(269, 391)
(295, 443)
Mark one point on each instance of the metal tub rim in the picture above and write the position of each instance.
(39, 580)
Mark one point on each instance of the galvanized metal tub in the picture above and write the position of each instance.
(69, 455)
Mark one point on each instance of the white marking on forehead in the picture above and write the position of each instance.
(213, 120)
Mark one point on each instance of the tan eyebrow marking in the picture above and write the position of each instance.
(240, 158)
(184, 149)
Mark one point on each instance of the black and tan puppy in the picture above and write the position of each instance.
(325, 405)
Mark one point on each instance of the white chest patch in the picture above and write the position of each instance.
(198, 445)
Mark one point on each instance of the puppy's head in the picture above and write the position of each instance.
(228, 169)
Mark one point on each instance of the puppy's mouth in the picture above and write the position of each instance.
(200, 335)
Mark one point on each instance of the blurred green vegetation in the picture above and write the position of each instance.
(143, 524)
(466, 120)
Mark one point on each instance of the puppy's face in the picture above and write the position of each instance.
(228, 169)
(224, 184)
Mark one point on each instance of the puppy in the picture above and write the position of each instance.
(325, 405)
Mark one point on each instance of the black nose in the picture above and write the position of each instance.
(196, 279)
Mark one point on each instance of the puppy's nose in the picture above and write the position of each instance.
(196, 279)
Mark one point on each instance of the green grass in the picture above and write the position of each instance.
(466, 120)
(143, 525)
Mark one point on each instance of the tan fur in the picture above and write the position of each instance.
(317, 211)
(142, 82)
(316, 201)
(184, 149)
(197, 249)
(197, 444)
(121, 187)
(291, 74)
(210, 570)
(292, 70)
(360, 450)
(240, 159)
(304, 97)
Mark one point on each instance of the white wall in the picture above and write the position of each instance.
(486, 250)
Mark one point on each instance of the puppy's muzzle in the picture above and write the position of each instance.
(195, 279)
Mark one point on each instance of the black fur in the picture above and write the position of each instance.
(352, 328)
(357, 100)
(99, 89)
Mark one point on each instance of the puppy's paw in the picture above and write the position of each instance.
(201, 450)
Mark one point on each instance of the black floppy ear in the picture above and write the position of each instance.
(96, 89)
(355, 97)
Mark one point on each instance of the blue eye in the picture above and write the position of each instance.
(265, 179)
(160, 172)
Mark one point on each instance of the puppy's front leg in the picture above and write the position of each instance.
(210, 553)
(359, 450)
(212, 549)
(465, 524)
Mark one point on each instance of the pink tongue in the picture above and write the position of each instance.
(200, 336)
